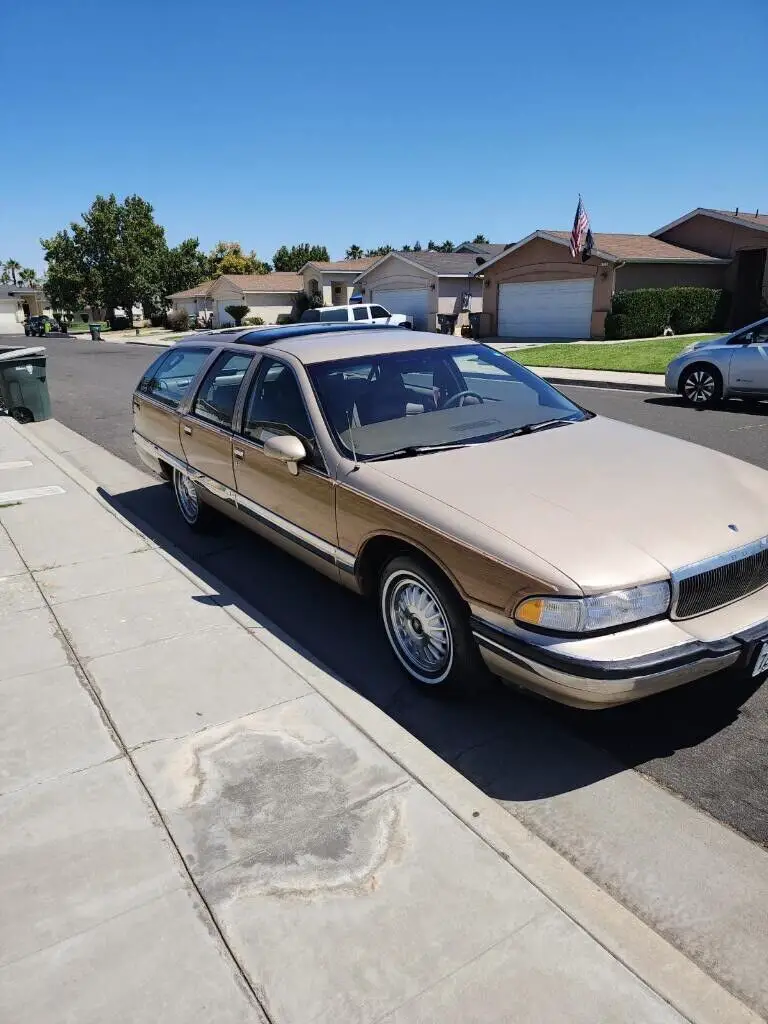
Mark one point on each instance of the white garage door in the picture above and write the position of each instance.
(409, 301)
(8, 322)
(546, 309)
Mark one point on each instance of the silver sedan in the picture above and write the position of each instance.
(734, 366)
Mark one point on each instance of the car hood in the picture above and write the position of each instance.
(604, 502)
(709, 343)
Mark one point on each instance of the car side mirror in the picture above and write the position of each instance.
(286, 448)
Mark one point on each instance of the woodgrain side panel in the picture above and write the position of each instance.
(159, 424)
(479, 579)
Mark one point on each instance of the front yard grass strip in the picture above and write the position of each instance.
(633, 356)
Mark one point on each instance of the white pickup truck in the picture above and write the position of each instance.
(364, 313)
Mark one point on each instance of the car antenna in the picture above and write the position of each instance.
(352, 444)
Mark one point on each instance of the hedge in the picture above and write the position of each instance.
(79, 327)
(645, 312)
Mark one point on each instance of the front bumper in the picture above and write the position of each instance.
(589, 682)
(672, 377)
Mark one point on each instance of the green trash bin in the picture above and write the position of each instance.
(23, 384)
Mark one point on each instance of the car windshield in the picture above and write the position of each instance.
(406, 403)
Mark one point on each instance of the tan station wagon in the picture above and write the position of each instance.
(496, 524)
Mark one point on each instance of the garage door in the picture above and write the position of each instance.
(410, 301)
(546, 309)
(8, 322)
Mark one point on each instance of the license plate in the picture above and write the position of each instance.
(761, 661)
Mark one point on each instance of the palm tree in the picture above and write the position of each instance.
(28, 276)
(12, 267)
(354, 252)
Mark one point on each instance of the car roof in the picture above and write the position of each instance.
(324, 346)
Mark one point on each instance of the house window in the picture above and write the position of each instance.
(314, 287)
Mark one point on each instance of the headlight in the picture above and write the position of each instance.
(596, 613)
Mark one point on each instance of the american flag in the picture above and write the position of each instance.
(582, 241)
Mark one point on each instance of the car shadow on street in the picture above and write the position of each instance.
(749, 407)
(513, 746)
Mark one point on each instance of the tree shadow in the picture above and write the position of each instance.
(513, 746)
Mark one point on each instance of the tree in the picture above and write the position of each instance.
(13, 267)
(28, 277)
(184, 266)
(432, 246)
(354, 252)
(407, 248)
(237, 312)
(114, 258)
(381, 251)
(480, 240)
(229, 258)
(446, 246)
(293, 259)
(417, 246)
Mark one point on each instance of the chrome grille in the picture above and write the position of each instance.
(720, 581)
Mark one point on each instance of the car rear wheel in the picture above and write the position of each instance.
(427, 627)
(194, 512)
(701, 385)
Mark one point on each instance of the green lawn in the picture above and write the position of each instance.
(638, 356)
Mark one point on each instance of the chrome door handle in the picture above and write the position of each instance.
(186, 429)
(238, 453)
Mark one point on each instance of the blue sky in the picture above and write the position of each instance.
(370, 124)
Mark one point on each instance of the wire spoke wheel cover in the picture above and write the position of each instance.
(417, 627)
(699, 387)
(186, 496)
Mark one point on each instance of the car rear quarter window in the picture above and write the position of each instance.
(169, 378)
(334, 315)
(218, 393)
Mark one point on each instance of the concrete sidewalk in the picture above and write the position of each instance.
(200, 824)
(622, 380)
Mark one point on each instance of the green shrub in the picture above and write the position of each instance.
(253, 321)
(237, 313)
(645, 312)
(284, 318)
(177, 319)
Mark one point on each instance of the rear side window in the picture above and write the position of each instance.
(379, 311)
(218, 393)
(335, 315)
(168, 379)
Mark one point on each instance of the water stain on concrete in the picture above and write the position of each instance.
(287, 815)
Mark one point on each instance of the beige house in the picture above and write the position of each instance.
(266, 295)
(334, 280)
(18, 301)
(423, 284)
(536, 289)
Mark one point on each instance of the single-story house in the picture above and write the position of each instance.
(18, 301)
(536, 289)
(265, 295)
(423, 284)
(741, 238)
(334, 280)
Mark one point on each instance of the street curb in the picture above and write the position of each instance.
(658, 964)
(584, 382)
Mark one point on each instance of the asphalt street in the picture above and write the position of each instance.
(708, 742)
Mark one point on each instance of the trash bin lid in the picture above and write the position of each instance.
(22, 353)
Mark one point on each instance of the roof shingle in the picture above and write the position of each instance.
(357, 266)
(638, 247)
(444, 264)
(278, 281)
(742, 215)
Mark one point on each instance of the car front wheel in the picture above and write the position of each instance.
(194, 512)
(428, 627)
(701, 386)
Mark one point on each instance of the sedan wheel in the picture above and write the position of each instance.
(194, 513)
(701, 386)
(428, 627)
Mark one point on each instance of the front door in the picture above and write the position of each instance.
(296, 512)
(749, 362)
(206, 430)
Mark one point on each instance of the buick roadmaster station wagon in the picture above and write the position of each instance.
(497, 525)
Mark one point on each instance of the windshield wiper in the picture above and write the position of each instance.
(416, 449)
(530, 428)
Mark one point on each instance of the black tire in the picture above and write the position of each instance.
(411, 583)
(196, 514)
(22, 415)
(701, 386)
